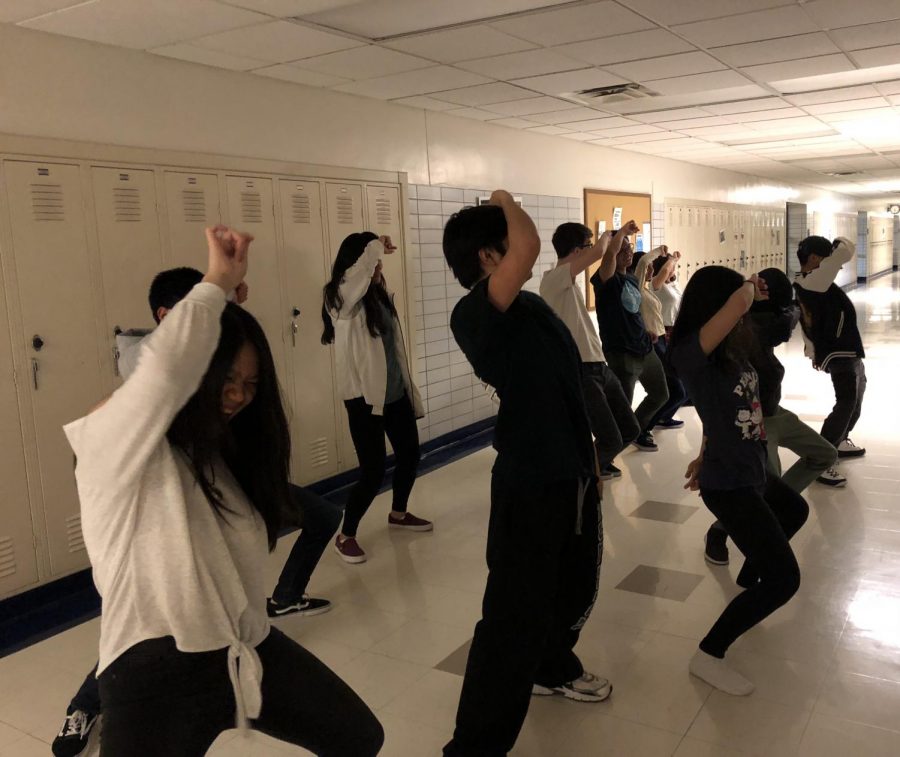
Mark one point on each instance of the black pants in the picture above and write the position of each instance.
(848, 375)
(541, 587)
(320, 520)
(648, 369)
(760, 523)
(159, 701)
(367, 431)
(677, 393)
(613, 423)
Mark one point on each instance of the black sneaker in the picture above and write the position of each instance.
(74, 735)
(716, 551)
(645, 443)
(670, 423)
(303, 606)
(612, 471)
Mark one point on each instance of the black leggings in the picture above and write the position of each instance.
(159, 701)
(760, 523)
(367, 431)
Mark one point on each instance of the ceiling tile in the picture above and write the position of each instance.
(549, 129)
(743, 106)
(697, 82)
(766, 115)
(288, 8)
(666, 66)
(363, 63)
(144, 24)
(454, 45)
(864, 103)
(377, 19)
(635, 139)
(513, 123)
(749, 27)
(684, 11)
(595, 124)
(475, 114)
(670, 115)
(889, 87)
(833, 14)
(529, 107)
(842, 79)
(629, 131)
(773, 50)
(518, 65)
(426, 103)
(568, 115)
(277, 42)
(422, 82)
(13, 11)
(867, 35)
(723, 133)
(796, 69)
(558, 27)
(484, 94)
(579, 136)
(692, 123)
(570, 81)
(215, 58)
(867, 114)
(833, 95)
(877, 56)
(299, 76)
(894, 99)
(626, 47)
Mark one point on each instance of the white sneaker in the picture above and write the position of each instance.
(587, 688)
(848, 449)
(832, 478)
(717, 674)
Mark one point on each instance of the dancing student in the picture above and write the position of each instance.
(374, 381)
(609, 410)
(626, 343)
(545, 530)
(773, 320)
(711, 347)
(183, 478)
(652, 278)
(832, 340)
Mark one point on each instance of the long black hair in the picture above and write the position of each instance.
(376, 295)
(705, 294)
(256, 444)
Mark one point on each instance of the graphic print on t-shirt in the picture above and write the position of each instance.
(631, 297)
(750, 418)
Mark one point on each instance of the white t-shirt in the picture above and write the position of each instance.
(669, 296)
(565, 298)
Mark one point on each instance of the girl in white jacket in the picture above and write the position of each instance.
(374, 381)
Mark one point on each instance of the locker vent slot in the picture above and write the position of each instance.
(193, 203)
(318, 452)
(7, 557)
(73, 533)
(300, 210)
(345, 210)
(127, 204)
(47, 202)
(251, 207)
(383, 210)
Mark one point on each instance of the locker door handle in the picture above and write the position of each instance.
(295, 312)
(35, 368)
(115, 352)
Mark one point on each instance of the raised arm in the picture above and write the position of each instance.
(523, 248)
(358, 277)
(665, 272)
(584, 259)
(725, 319)
(608, 261)
(819, 279)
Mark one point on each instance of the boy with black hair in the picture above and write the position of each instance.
(545, 530)
(832, 338)
(609, 411)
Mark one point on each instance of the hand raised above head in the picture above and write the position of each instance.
(629, 228)
(228, 248)
(389, 246)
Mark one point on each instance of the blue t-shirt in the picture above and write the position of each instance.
(727, 401)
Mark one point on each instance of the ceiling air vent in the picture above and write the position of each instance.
(617, 93)
(843, 173)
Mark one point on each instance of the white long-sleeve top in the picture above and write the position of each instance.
(164, 563)
(360, 360)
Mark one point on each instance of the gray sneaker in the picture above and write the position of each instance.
(587, 688)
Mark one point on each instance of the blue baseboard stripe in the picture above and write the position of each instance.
(40, 613)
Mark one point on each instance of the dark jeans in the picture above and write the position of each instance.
(87, 698)
(542, 583)
(630, 369)
(760, 523)
(677, 394)
(159, 701)
(320, 519)
(609, 411)
(848, 375)
(367, 431)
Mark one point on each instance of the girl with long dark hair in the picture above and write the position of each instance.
(712, 350)
(374, 381)
(182, 475)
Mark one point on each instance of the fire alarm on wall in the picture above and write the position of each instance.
(895, 209)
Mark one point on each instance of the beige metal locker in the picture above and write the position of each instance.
(383, 218)
(129, 241)
(54, 293)
(192, 204)
(251, 208)
(313, 421)
(18, 560)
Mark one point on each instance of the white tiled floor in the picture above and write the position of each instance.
(827, 666)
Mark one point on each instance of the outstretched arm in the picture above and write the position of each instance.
(523, 248)
(608, 262)
(725, 319)
(584, 259)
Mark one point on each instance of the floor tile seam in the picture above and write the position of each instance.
(832, 720)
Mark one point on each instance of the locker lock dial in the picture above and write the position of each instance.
(295, 312)
(37, 342)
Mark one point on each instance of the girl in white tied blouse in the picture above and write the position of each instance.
(182, 475)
